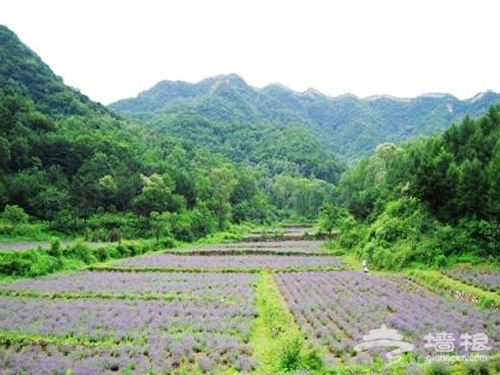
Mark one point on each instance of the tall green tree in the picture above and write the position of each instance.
(156, 195)
(222, 183)
(14, 215)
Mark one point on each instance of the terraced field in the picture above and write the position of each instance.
(484, 278)
(336, 309)
(231, 261)
(207, 311)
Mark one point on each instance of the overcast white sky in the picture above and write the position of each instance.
(115, 49)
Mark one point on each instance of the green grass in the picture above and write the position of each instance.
(169, 297)
(481, 268)
(25, 232)
(444, 284)
(277, 341)
(40, 262)
(29, 338)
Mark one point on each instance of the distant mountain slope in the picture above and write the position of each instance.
(81, 168)
(22, 71)
(55, 143)
(348, 126)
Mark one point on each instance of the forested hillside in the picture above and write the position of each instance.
(73, 166)
(346, 125)
(431, 201)
(77, 167)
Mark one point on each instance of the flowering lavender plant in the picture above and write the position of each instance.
(485, 279)
(233, 261)
(130, 335)
(336, 309)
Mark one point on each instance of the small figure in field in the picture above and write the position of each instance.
(365, 268)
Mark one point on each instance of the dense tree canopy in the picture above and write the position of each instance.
(79, 167)
(346, 125)
(432, 198)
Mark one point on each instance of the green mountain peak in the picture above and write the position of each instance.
(346, 125)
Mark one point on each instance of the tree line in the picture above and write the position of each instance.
(431, 201)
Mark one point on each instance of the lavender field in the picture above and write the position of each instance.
(159, 284)
(313, 247)
(231, 261)
(209, 331)
(336, 309)
(161, 355)
(53, 359)
(195, 312)
(124, 320)
(256, 248)
(487, 279)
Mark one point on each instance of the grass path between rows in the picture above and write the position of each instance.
(277, 341)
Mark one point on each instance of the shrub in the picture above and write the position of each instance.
(311, 360)
(167, 243)
(82, 252)
(496, 364)
(65, 222)
(289, 358)
(438, 368)
(28, 263)
(36, 231)
(16, 264)
(293, 356)
(39, 262)
(102, 253)
(55, 249)
(14, 215)
(44, 264)
(476, 368)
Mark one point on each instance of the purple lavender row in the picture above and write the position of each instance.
(214, 332)
(278, 246)
(231, 261)
(234, 287)
(123, 320)
(489, 280)
(63, 359)
(166, 356)
(336, 309)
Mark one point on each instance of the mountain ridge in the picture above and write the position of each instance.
(75, 164)
(235, 76)
(347, 125)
